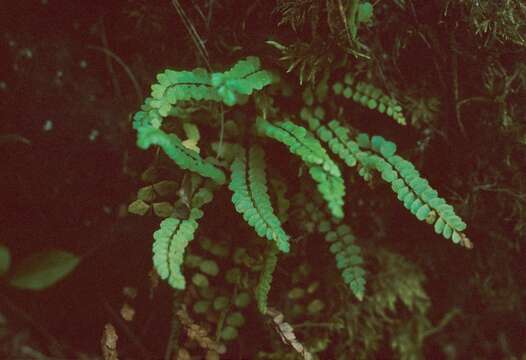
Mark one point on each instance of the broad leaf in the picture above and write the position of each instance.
(42, 270)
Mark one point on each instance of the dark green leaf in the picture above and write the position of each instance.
(43, 269)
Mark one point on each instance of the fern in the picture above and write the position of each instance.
(369, 96)
(414, 191)
(339, 236)
(173, 96)
(321, 168)
(348, 258)
(182, 156)
(172, 238)
(251, 199)
(242, 79)
(170, 243)
(265, 278)
(230, 87)
(334, 134)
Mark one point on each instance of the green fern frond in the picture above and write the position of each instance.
(278, 189)
(265, 278)
(414, 191)
(170, 242)
(369, 96)
(174, 235)
(321, 167)
(334, 134)
(172, 87)
(347, 254)
(182, 156)
(251, 199)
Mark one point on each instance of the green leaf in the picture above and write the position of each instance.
(365, 12)
(5, 259)
(42, 270)
(209, 267)
(201, 306)
(138, 207)
(242, 300)
(315, 306)
(229, 333)
(236, 319)
(221, 303)
(388, 149)
(200, 280)
(296, 293)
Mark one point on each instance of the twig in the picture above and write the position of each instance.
(115, 57)
(109, 64)
(454, 64)
(172, 345)
(198, 42)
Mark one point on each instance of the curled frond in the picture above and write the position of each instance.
(251, 199)
(322, 169)
(180, 154)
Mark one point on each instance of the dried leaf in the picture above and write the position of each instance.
(127, 312)
(197, 333)
(286, 332)
(109, 343)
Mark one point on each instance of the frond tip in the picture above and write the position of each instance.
(369, 96)
(412, 190)
(348, 258)
(265, 278)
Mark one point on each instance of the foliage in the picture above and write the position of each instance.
(248, 173)
(344, 54)
(303, 155)
(39, 270)
(251, 198)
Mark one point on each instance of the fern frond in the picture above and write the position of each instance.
(265, 278)
(172, 87)
(321, 167)
(369, 96)
(242, 79)
(342, 242)
(414, 191)
(348, 257)
(334, 134)
(175, 86)
(182, 156)
(174, 235)
(251, 199)
(170, 242)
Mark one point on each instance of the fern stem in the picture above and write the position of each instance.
(172, 345)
